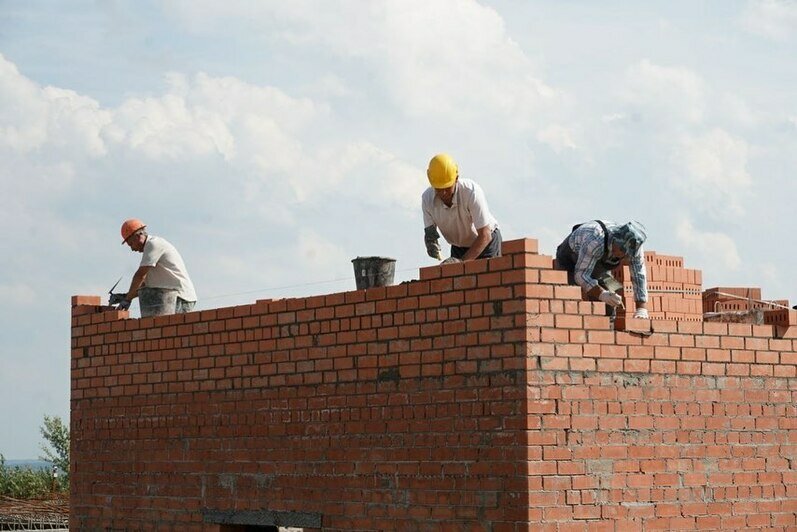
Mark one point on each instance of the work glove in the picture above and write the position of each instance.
(451, 260)
(115, 299)
(642, 313)
(124, 304)
(430, 237)
(611, 298)
(433, 249)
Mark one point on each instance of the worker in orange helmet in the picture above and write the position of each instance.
(459, 209)
(161, 282)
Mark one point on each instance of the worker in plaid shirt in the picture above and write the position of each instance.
(593, 249)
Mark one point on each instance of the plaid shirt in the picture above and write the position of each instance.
(587, 243)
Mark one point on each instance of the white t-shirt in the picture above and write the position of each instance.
(468, 212)
(169, 269)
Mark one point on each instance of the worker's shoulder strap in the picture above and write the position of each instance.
(605, 235)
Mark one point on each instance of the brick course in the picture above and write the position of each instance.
(483, 396)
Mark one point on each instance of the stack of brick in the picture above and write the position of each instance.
(744, 305)
(724, 299)
(674, 292)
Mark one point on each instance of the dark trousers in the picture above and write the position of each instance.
(493, 249)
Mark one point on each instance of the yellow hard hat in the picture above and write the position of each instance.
(442, 172)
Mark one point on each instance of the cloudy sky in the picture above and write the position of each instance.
(273, 141)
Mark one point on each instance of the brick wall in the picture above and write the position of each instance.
(484, 396)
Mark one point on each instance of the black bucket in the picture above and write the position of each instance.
(373, 271)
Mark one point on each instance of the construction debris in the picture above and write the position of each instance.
(34, 514)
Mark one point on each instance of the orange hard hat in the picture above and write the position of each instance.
(131, 226)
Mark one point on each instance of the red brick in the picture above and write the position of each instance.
(634, 325)
(524, 245)
(86, 300)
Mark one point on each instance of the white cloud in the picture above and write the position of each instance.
(35, 117)
(260, 133)
(711, 248)
(558, 137)
(165, 128)
(207, 116)
(370, 173)
(774, 19)
(613, 117)
(331, 85)
(663, 94)
(455, 58)
(714, 171)
(452, 59)
(735, 110)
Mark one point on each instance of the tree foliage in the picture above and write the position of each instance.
(27, 483)
(56, 434)
(34, 482)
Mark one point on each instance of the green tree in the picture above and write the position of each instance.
(56, 433)
(25, 483)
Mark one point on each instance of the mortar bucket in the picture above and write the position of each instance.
(156, 301)
(373, 271)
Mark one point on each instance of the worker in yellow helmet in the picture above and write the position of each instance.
(161, 282)
(458, 208)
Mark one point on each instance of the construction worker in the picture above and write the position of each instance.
(459, 209)
(593, 249)
(161, 282)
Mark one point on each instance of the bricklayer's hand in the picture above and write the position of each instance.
(433, 249)
(611, 298)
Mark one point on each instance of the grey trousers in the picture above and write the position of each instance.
(162, 302)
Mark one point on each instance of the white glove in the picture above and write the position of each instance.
(611, 298)
(451, 260)
(642, 313)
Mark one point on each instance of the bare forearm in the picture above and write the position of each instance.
(477, 247)
(135, 284)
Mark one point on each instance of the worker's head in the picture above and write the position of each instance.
(443, 174)
(442, 171)
(629, 237)
(134, 234)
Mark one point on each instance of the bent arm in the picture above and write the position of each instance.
(481, 242)
(430, 237)
(588, 257)
(639, 278)
(138, 279)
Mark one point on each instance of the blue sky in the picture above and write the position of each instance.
(272, 142)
